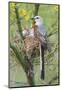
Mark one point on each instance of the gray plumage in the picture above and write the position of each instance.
(41, 27)
(41, 30)
(41, 33)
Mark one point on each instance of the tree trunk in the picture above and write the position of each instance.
(30, 73)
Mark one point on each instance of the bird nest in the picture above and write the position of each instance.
(31, 45)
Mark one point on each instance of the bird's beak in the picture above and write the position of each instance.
(33, 20)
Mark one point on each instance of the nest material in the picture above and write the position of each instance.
(31, 44)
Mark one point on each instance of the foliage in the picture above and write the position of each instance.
(49, 13)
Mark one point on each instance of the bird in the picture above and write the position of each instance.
(41, 33)
(28, 32)
(25, 32)
(40, 30)
(29, 44)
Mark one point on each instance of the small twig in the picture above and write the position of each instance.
(36, 9)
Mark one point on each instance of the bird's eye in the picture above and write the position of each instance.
(37, 18)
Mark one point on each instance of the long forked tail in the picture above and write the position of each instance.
(42, 71)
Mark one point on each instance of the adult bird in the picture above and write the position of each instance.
(41, 34)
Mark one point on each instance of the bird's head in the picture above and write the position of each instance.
(37, 20)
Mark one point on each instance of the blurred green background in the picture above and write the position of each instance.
(49, 13)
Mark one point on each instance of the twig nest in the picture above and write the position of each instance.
(30, 43)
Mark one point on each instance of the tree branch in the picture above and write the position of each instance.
(18, 55)
(26, 64)
(18, 21)
(36, 9)
(51, 33)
